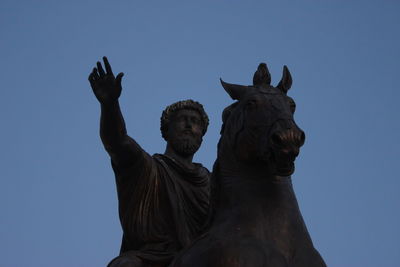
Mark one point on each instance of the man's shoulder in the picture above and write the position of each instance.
(174, 163)
(143, 160)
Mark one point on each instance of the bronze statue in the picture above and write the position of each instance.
(257, 221)
(164, 198)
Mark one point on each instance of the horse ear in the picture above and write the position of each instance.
(262, 77)
(286, 81)
(235, 91)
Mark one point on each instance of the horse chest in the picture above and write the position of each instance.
(275, 225)
(261, 234)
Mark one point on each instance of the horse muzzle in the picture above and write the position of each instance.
(285, 148)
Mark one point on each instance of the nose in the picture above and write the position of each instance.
(188, 124)
(288, 137)
(289, 141)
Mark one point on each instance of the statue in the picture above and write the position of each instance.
(256, 221)
(164, 198)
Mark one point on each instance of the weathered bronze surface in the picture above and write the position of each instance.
(251, 217)
(164, 198)
(256, 219)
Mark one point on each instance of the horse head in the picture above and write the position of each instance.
(259, 129)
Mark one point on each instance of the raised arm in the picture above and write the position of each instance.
(107, 90)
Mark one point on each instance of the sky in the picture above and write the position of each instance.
(58, 202)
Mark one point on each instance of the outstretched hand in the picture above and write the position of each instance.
(106, 87)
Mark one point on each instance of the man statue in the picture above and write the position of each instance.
(164, 198)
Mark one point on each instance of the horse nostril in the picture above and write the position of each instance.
(277, 139)
(302, 138)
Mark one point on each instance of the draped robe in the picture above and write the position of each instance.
(163, 205)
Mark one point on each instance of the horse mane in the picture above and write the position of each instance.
(226, 114)
(215, 186)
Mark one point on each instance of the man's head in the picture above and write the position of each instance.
(183, 124)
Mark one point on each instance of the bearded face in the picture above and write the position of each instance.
(186, 144)
(185, 132)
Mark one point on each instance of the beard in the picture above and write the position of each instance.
(186, 144)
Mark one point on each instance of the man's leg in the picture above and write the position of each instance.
(127, 261)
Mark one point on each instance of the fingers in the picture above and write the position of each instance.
(91, 80)
(93, 76)
(118, 78)
(98, 72)
(107, 66)
(100, 69)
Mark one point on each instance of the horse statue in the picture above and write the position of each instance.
(256, 219)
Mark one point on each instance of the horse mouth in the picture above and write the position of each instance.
(282, 165)
(284, 169)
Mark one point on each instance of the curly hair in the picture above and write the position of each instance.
(184, 104)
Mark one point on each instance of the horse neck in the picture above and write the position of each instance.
(243, 186)
(259, 205)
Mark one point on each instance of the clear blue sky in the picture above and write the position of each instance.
(57, 193)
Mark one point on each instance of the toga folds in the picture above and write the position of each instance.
(163, 205)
